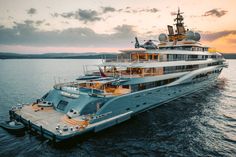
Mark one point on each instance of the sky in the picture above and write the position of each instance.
(48, 26)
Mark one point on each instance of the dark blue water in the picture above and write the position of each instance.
(202, 124)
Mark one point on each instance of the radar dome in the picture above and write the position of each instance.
(197, 36)
(190, 35)
(162, 37)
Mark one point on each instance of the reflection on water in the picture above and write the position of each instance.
(202, 124)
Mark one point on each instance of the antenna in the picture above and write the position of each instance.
(136, 45)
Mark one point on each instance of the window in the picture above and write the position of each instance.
(158, 83)
(155, 57)
(126, 86)
(141, 86)
(149, 57)
(62, 105)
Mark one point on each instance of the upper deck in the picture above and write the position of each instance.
(174, 53)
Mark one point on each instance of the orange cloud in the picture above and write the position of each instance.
(225, 44)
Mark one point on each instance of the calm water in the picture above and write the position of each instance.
(203, 124)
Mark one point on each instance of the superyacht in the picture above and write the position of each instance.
(138, 79)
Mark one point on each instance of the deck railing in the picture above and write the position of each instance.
(152, 60)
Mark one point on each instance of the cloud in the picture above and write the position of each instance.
(233, 41)
(88, 15)
(27, 22)
(216, 35)
(55, 14)
(225, 42)
(215, 12)
(27, 34)
(68, 15)
(125, 31)
(10, 17)
(81, 14)
(31, 11)
(31, 22)
(108, 9)
(153, 10)
(130, 10)
(173, 13)
(39, 22)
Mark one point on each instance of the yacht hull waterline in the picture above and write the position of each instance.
(137, 80)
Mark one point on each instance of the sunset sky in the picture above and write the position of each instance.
(42, 26)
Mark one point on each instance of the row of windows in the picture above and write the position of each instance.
(167, 70)
(174, 69)
(102, 115)
(215, 63)
(148, 85)
(200, 76)
(183, 68)
(203, 75)
(145, 103)
(177, 57)
(187, 48)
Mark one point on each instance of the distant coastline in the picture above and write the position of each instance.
(88, 55)
(229, 55)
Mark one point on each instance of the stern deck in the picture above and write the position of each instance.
(46, 121)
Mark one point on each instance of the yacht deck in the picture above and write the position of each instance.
(49, 119)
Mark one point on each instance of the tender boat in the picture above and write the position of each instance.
(139, 79)
(13, 126)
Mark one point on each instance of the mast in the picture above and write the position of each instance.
(179, 23)
(179, 33)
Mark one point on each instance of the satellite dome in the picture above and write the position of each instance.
(197, 36)
(190, 35)
(162, 37)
